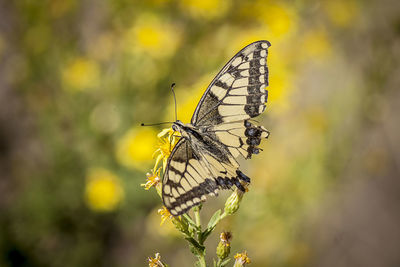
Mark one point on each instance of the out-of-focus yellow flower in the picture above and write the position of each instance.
(167, 141)
(136, 147)
(103, 190)
(80, 74)
(241, 259)
(165, 215)
(152, 179)
(156, 261)
(280, 19)
(316, 45)
(342, 12)
(205, 9)
(151, 35)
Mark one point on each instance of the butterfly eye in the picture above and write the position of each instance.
(174, 127)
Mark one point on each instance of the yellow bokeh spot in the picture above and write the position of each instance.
(80, 74)
(206, 9)
(136, 147)
(151, 35)
(342, 13)
(281, 20)
(103, 190)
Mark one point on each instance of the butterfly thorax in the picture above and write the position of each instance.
(188, 130)
(199, 138)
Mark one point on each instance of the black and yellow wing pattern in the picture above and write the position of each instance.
(204, 160)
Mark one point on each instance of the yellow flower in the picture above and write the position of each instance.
(136, 147)
(165, 215)
(156, 261)
(153, 179)
(277, 20)
(103, 190)
(167, 141)
(206, 9)
(241, 259)
(280, 19)
(151, 35)
(80, 74)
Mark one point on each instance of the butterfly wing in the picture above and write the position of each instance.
(186, 180)
(238, 91)
(235, 95)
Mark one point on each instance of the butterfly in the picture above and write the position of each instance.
(205, 158)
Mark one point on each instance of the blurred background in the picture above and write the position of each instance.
(78, 77)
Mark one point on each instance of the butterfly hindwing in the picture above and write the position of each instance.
(238, 91)
(186, 181)
(240, 137)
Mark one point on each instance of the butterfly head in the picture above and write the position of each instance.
(177, 126)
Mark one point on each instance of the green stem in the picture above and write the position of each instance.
(201, 260)
(197, 218)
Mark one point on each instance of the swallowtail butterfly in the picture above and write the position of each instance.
(204, 159)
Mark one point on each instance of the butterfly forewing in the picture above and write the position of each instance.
(238, 92)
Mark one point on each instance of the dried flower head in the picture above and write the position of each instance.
(156, 261)
(226, 238)
(224, 245)
(153, 179)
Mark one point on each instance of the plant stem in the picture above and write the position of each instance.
(197, 218)
(201, 260)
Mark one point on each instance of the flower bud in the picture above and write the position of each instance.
(233, 202)
(224, 245)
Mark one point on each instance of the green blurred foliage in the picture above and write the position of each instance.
(78, 77)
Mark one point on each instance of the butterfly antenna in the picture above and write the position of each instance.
(173, 92)
(153, 124)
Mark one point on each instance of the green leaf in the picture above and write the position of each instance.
(211, 225)
(189, 220)
(225, 262)
(214, 219)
